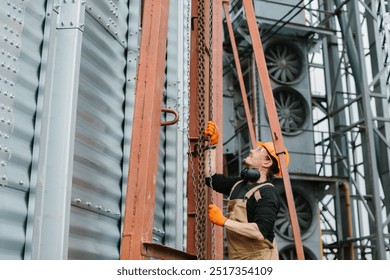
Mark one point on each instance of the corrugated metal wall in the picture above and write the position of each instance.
(21, 36)
(97, 176)
(31, 33)
(169, 219)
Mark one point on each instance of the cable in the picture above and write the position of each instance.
(246, 54)
(265, 38)
(281, 19)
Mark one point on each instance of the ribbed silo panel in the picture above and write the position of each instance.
(21, 38)
(13, 209)
(112, 15)
(160, 201)
(172, 162)
(97, 175)
(92, 237)
(169, 212)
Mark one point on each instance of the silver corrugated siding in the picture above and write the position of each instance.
(97, 180)
(105, 105)
(21, 39)
(171, 102)
(169, 219)
(133, 42)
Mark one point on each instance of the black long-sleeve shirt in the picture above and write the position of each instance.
(262, 212)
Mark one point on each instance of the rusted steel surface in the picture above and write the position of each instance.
(273, 120)
(239, 74)
(212, 109)
(193, 133)
(142, 174)
(161, 252)
(217, 106)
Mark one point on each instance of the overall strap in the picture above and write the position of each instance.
(255, 190)
(234, 186)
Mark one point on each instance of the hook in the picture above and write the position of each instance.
(175, 120)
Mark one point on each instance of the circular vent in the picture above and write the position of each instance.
(289, 253)
(284, 62)
(292, 110)
(304, 213)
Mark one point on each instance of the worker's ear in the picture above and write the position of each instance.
(267, 163)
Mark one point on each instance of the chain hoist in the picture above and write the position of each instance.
(190, 154)
(200, 189)
(211, 106)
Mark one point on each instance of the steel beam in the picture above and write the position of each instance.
(213, 109)
(55, 170)
(142, 174)
(216, 232)
(273, 120)
(357, 60)
(240, 76)
(193, 134)
(161, 252)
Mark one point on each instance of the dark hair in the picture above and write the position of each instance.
(274, 169)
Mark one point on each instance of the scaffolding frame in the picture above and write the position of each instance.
(352, 40)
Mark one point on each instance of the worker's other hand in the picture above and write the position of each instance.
(212, 131)
(216, 216)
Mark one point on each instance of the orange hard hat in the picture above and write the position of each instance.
(271, 150)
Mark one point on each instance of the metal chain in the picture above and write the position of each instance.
(192, 165)
(200, 194)
(211, 94)
(201, 188)
(211, 60)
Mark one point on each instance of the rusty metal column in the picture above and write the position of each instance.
(214, 240)
(141, 184)
(273, 120)
(192, 131)
(239, 73)
(217, 88)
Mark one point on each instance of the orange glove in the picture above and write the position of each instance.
(216, 216)
(212, 131)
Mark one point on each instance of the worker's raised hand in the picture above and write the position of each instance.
(216, 216)
(213, 132)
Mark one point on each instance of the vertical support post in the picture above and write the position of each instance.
(356, 54)
(217, 106)
(55, 170)
(195, 129)
(239, 73)
(141, 184)
(273, 120)
(193, 132)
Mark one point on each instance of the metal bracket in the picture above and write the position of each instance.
(71, 14)
(152, 250)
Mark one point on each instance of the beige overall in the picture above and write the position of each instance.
(241, 247)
